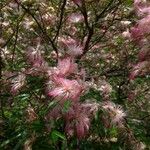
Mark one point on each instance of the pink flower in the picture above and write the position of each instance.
(144, 25)
(73, 47)
(126, 34)
(75, 18)
(136, 33)
(17, 83)
(66, 67)
(34, 57)
(143, 54)
(77, 121)
(75, 50)
(82, 126)
(90, 107)
(142, 28)
(137, 69)
(66, 89)
(141, 7)
(114, 111)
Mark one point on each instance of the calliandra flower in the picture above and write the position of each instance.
(75, 18)
(75, 50)
(105, 87)
(34, 57)
(136, 33)
(141, 7)
(66, 66)
(114, 111)
(66, 89)
(91, 107)
(144, 25)
(73, 47)
(137, 69)
(126, 34)
(77, 121)
(143, 54)
(17, 83)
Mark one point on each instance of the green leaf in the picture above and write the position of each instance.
(67, 105)
(55, 135)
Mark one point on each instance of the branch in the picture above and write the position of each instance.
(39, 25)
(89, 28)
(103, 11)
(61, 19)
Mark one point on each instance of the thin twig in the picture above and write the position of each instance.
(61, 19)
(39, 25)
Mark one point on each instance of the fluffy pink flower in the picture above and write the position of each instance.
(143, 54)
(114, 111)
(77, 121)
(141, 7)
(75, 50)
(144, 25)
(90, 107)
(34, 57)
(73, 47)
(126, 34)
(66, 66)
(17, 83)
(137, 69)
(75, 18)
(136, 33)
(66, 89)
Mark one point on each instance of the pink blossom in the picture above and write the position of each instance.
(75, 50)
(66, 66)
(73, 47)
(136, 33)
(75, 18)
(90, 107)
(126, 34)
(17, 83)
(66, 89)
(144, 24)
(142, 28)
(114, 111)
(69, 129)
(82, 126)
(137, 69)
(34, 56)
(141, 7)
(143, 54)
(77, 121)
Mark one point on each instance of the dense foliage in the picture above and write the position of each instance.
(74, 74)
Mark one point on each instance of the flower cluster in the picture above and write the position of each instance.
(115, 112)
(17, 83)
(67, 85)
(140, 33)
